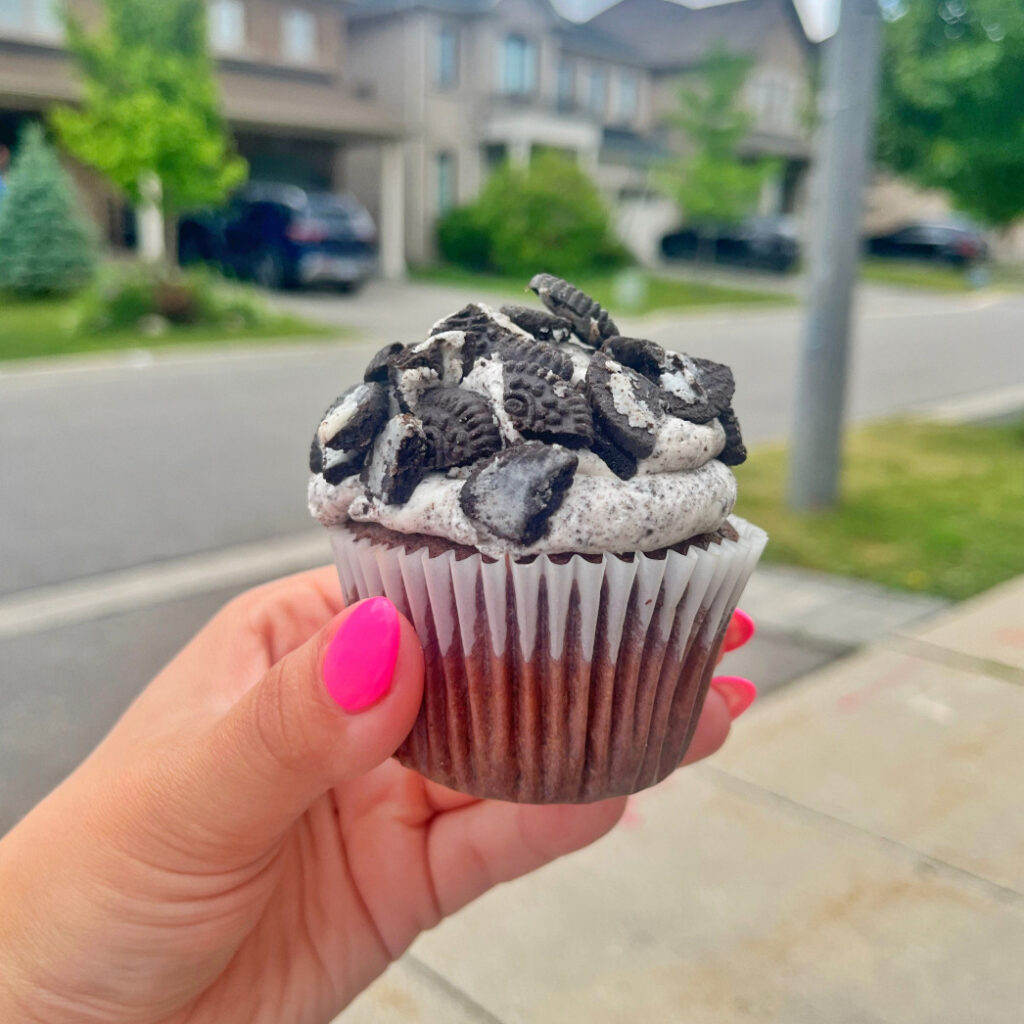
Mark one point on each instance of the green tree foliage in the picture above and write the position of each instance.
(547, 215)
(151, 104)
(46, 248)
(952, 101)
(711, 182)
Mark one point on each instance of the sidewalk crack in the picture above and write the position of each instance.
(479, 1013)
(751, 790)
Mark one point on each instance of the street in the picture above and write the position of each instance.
(129, 462)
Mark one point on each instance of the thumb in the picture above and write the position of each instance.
(330, 710)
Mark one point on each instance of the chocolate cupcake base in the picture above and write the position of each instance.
(559, 679)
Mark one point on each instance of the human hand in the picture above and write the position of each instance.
(241, 848)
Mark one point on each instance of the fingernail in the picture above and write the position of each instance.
(360, 660)
(741, 629)
(737, 693)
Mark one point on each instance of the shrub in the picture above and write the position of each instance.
(546, 216)
(46, 247)
(125, 297)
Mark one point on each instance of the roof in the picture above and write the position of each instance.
(360, 9)
(670, 36)
(589, 40)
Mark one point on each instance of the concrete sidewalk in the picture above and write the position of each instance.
(855, 854)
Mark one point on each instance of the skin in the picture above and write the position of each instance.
(239, 848)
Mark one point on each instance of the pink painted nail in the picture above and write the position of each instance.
(741, 629)
(737, 693)
(360, 660)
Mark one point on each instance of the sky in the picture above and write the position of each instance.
(817, 15)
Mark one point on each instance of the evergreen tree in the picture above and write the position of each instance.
(46, 247)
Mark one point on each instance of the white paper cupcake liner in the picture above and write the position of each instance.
(560, 679)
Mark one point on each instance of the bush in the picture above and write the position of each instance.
(132, 296)
(545, 216)
(46, 247)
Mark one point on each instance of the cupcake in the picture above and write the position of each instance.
(549, 503)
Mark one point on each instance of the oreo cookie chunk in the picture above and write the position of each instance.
(735, 452)
(620, 462)
(398, 460)
(513, 348)
(627, 406)
(355, 417)
(412, 372)
(515, 493)
(646, 357)
(471, 318)
(337, 465)
(695, 389)
(591, 323)
(545, 407)
(377, 368)
(459, 427)
(542, 325)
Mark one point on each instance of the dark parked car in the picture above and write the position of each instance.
(282, 236)
(768, 243)
(955, 243)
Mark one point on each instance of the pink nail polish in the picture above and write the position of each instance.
(741, 629)
(737, 693)
(360, 660)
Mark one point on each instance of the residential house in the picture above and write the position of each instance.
(673, 39)
(286, 88)
(479, 81)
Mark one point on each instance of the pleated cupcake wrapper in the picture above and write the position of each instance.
(556, 682)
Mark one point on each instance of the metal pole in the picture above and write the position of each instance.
(843, 152)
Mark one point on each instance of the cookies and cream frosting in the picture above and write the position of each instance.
(525, 431)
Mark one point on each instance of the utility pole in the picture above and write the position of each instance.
(842, 155)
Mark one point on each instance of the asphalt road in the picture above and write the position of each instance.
(108, 464)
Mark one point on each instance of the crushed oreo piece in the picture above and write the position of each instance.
(511, 348)
(646, 357)
(340, 465)
(695, 389)
(627, 406)
(377, 368)
(398, 460)
(735, 452)
(316, 456)
(355, 417)
(459, 427)
(591, 323)
(546, 407)
(515, 493)
(412, 372)
(471, 318)
(620, 462)
(542, 325)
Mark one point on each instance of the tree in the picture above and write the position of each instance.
(950, 112)
(46, 248)
(150, 120)
(712, 182)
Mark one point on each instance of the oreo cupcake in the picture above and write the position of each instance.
(550, 504)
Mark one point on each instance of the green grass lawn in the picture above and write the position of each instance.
(657, 292)
(934, 277)
(925, 507)
(46, 327)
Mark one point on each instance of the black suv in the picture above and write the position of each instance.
(282, 236)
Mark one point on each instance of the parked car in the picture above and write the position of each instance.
(282, 236)
(956, 243)
(768, 243)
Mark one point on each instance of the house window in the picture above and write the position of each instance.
(519, 66)
(445, 182)
(627, 98)
(774, 97)
(227, 26)
(446, 70)
(597, 91)
(566, 94)
(298, 36)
